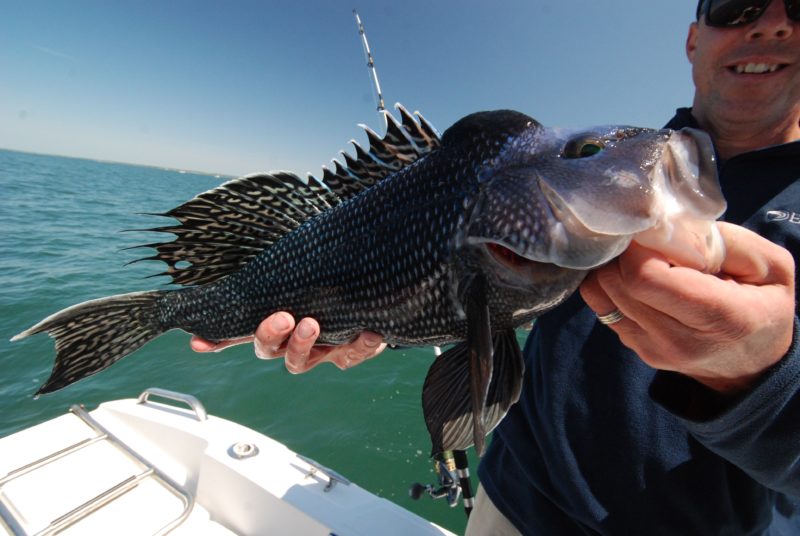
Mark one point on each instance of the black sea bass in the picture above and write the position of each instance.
(425, 240)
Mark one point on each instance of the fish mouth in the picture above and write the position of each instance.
(687, 191)
(508, 257)
(518, 269)
(689, 169)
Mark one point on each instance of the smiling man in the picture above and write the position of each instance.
(747, 76)
(662, 400)
(684, 416)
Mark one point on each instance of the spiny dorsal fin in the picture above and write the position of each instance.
(402, 144)
(222, 229)
(420, 131)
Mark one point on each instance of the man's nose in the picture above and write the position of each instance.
(774, 23)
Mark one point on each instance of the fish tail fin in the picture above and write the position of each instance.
(93, 335)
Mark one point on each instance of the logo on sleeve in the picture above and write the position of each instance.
(782, 215)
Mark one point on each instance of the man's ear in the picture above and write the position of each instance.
(691, 42)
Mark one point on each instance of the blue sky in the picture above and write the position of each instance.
(236, 87)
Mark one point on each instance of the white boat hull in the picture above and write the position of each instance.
(141, 467)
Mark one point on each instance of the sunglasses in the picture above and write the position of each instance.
(733, 13)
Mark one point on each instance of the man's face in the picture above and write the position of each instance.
(720, 60)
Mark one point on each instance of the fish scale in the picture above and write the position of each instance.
(424, 240)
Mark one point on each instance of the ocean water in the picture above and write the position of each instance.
(62, 242)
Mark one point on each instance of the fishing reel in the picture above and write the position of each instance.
(452, 469)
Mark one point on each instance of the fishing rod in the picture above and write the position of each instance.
(452, 469)
(377, 86)
(370, 62)
(452, 466)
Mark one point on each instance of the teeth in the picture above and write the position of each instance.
(756, 68)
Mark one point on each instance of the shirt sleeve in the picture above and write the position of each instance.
(758, 431)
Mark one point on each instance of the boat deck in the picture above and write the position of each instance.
(142, 467)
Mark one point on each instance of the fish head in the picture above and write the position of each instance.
(576, 199)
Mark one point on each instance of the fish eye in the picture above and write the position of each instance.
(583, 147)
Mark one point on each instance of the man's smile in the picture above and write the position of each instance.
(763, 64)
(757, 68)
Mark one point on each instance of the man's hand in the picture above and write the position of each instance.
(723, 330)
(277, 336)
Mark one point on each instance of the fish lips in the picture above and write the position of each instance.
(689, 201)
(690, 166)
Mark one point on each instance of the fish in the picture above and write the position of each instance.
(427, 239)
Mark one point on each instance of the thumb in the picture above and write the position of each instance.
(751, 258)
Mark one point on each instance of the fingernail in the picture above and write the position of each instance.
(372, 341)
(280, 323)
(304, 331)
(291, 368)
(259, 352)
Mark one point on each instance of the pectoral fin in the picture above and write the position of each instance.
(481, 354)
(458, 410)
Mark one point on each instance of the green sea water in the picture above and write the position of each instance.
(61, 243)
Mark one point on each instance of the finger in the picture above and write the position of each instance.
(198, 344)
(602, 304)
(753, 259)
(301, 342)
(366, 346)
(594, 293)
(664, 305)
(654, 293)
(636, 328)
(750, 260)
(595, 297)
(271, 335)
(646, 283)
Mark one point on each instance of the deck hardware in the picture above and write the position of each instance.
(11, 519)
(189, 400)
(333, 476)
(242, 450)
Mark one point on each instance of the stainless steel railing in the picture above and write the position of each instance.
(16, 524)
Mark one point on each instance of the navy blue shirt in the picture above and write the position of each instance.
(599, 442)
